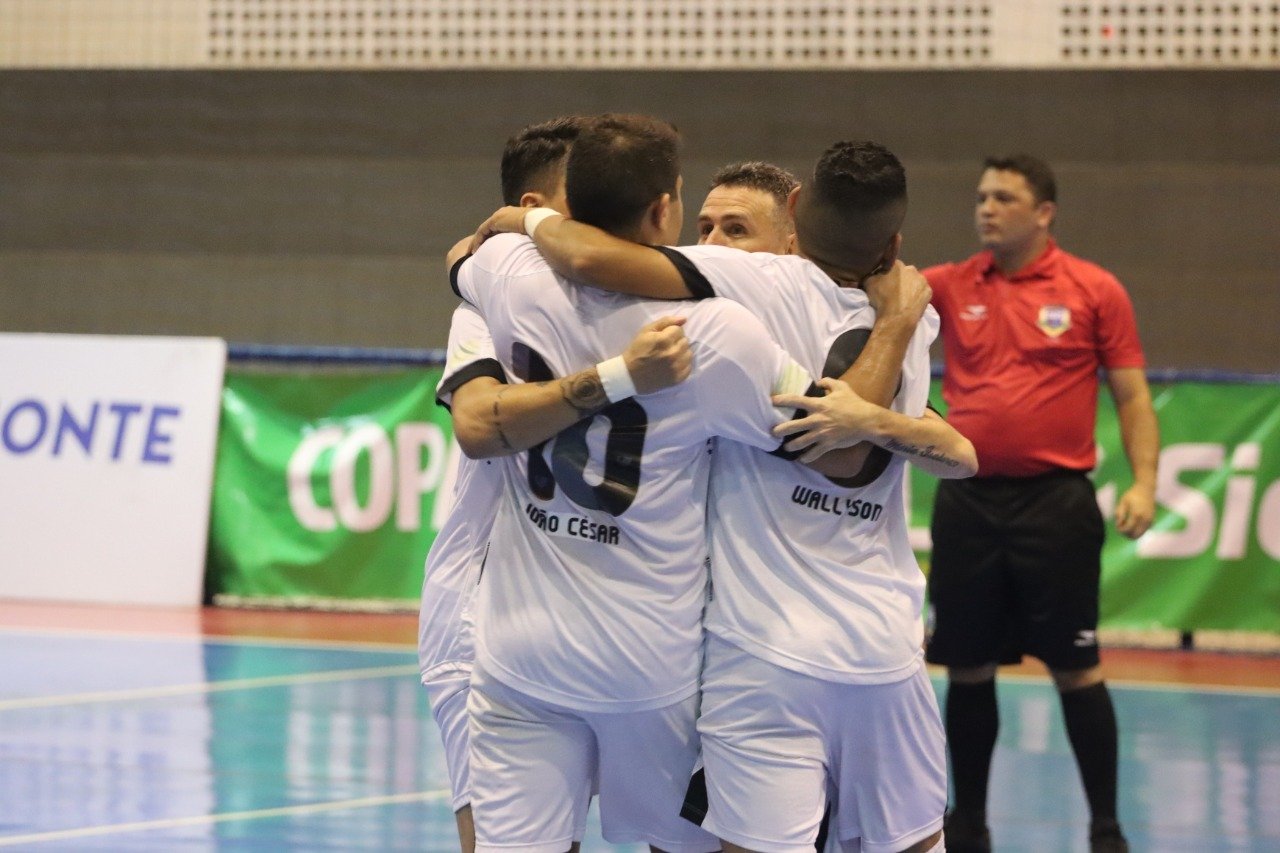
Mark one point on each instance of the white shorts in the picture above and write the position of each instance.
(774, 741)
(448, 697)
(534, 766)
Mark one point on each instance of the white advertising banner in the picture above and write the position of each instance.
(106, 466)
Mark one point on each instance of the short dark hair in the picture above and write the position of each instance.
(758, 175)
(859, 177)
(1036, 171)
(853, 205)
(533, 158)
(618, 166)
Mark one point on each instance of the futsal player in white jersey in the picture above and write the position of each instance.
(814, 676)
(473, 379)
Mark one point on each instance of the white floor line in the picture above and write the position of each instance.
(199, 688)
(213, 639)
(198, 820)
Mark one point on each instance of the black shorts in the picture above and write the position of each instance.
(1015, 569)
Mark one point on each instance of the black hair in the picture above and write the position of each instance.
(618, 166)
(533, 158)
(859, 177)
(1036, 171)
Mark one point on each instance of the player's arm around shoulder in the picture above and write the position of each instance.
(900, 298)
(590, 255)
(460, 250)
(738, 366)
(492, 418)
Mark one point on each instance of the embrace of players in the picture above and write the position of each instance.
(676, 578)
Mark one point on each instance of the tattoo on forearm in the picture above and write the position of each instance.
(497, 419)
(928, 452)
(584, 391)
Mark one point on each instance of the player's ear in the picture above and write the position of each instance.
(660, 212)
(792, 198)
(1045, 213)
(533, 199)
(895, 249)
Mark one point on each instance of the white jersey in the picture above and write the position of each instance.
(810, 575)
(445, 641)
(595, 584)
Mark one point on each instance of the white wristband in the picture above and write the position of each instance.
(615, 379)
(534, 216)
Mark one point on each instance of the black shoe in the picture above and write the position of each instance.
(963, 835)
(1106, 837)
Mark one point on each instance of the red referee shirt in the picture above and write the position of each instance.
(1022, 357)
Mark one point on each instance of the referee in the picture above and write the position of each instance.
(1017, 549)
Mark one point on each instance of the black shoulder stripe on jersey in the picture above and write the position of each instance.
(474, 370)
(697, 283)
(877, 459)
(453, 274)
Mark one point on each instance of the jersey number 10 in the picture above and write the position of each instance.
(570, 453)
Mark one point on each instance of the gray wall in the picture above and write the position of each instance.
(314, 208)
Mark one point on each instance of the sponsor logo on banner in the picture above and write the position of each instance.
(400, 470)
(111, 430)
(106, 460)
(1247, 505)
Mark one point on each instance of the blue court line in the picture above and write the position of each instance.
(206, 687)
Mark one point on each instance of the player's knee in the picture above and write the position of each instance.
(971, 674)
(1067, 680)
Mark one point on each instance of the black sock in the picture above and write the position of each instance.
(973, 721)
(1091, 727)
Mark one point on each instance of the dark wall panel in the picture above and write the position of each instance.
(315, 207)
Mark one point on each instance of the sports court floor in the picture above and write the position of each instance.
(194, 730)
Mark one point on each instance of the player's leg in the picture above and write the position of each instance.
(532, 769)
(888, 761)
(763, 750)
(1091, 726)
(646, 758)
(1063, 633)
(971, 601)
(448, 698)
(466, 828)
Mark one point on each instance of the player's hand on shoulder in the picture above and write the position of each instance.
(503, 221)
(902, 290)
(659, 356)
(841, 418)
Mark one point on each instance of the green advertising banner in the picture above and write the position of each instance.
(326, 488)
(1212, 558)
(325, 485)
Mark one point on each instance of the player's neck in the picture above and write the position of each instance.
(1014, 259)
(637, 234)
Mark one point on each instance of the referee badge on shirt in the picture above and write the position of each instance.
(1054, 319)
